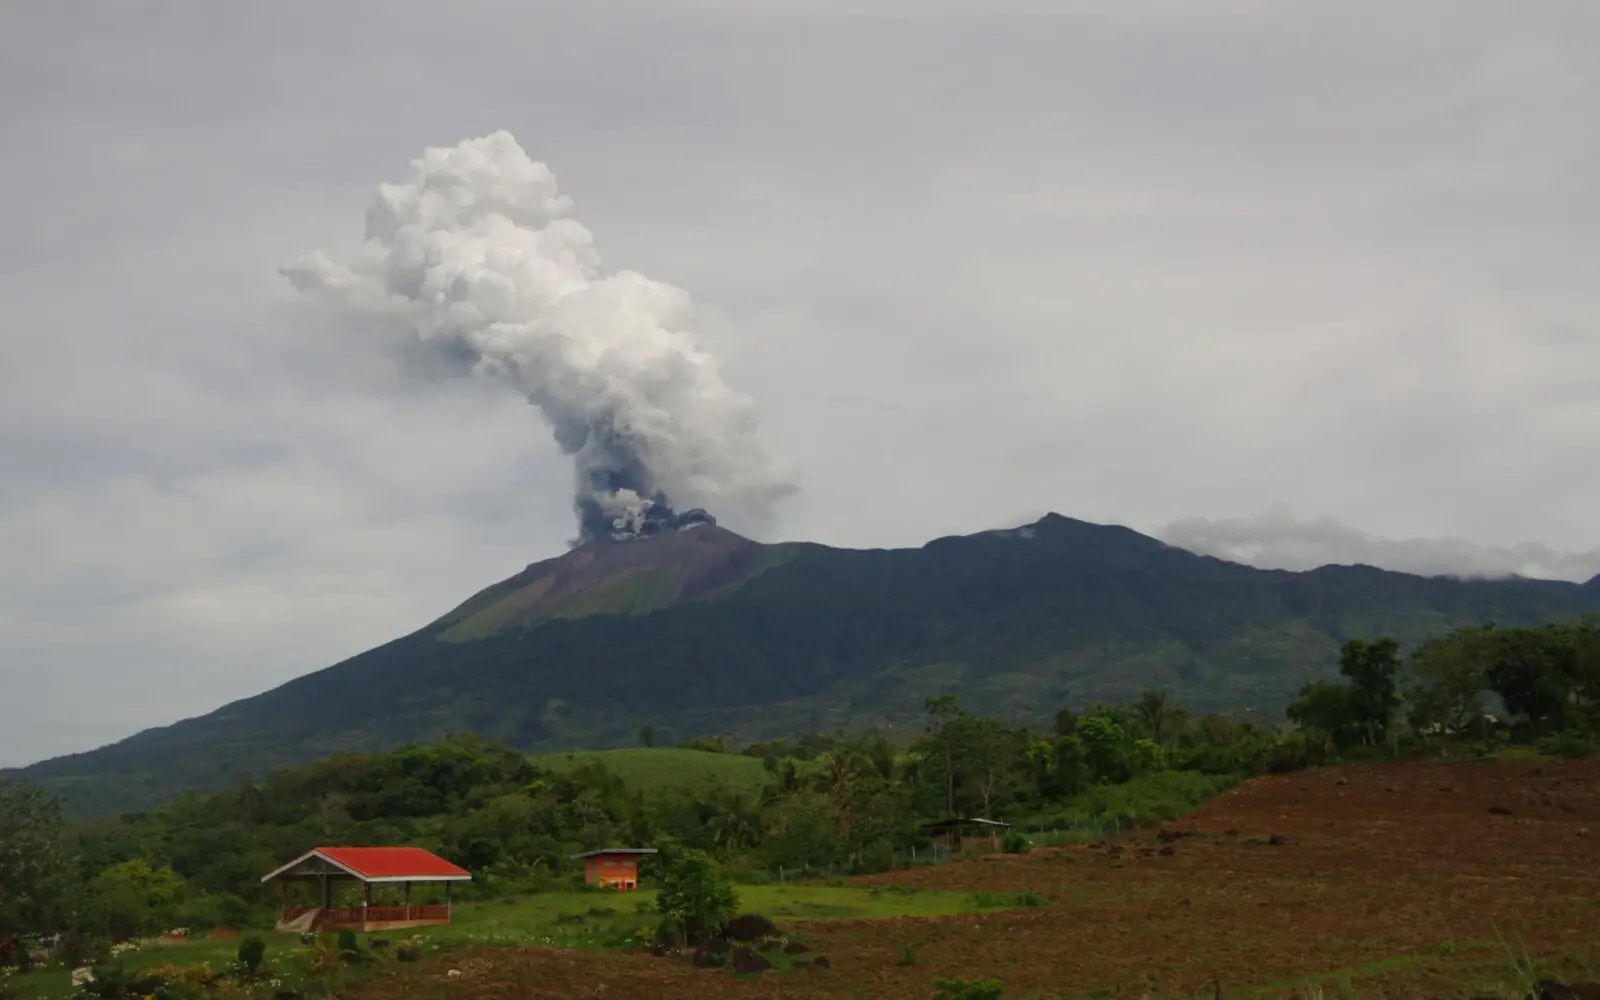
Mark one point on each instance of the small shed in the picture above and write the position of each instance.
(956, 832)
(613, 867)
(390, 868)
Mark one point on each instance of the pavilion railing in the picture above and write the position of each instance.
(359, 916)
(342, 916)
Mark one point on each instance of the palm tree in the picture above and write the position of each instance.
(1156, 712)
(736, 824)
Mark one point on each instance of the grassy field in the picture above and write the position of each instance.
(583, 920)
(652, 768)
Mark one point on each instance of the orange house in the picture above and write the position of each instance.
(613, 867)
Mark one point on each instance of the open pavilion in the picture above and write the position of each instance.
(964, 833)
(387, 867)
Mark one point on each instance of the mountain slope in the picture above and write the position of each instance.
(607, 576)
(727, 635)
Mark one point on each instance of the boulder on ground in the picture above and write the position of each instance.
(748, 927)
(746, 959)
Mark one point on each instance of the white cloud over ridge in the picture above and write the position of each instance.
(1277, 539)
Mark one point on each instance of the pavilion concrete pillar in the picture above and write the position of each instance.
(447, 901)
(327, 899)
(408, 900)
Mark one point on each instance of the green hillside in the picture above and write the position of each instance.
(704, 632)
(654, 769)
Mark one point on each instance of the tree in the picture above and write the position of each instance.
(1371, 668)
(134, 897)
(693, 890)
(1450, 674)
(1525, 670)
(647, 736)
(1327, 708)
(1585, 640)
(1105, 748)
(37, 886)
(735, 823)
(1158, 713)
(942, 709)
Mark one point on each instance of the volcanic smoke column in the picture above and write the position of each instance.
(476, 257)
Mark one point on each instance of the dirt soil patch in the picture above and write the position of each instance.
(1399, 876)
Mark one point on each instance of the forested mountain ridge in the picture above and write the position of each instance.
(706, 632)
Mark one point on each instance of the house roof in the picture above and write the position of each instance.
(380, 864)
(613, 850)
(956, 821)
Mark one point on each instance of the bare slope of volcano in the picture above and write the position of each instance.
(606, 577)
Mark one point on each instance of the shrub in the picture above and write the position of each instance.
(1568, 744)
(251, 950)
(409, 950)
(347, 942)
(109, 981)
(695, 891)
(968, 989)
(209, 910)
(669, 935)
(181, 989)
(1017, 842)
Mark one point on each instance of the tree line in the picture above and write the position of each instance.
(829, 801)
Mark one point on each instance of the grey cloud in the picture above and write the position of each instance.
(1277, 539)
(1134, 261)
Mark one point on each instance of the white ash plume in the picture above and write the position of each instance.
(476, 258)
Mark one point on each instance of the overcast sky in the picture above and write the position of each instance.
(1302, 276)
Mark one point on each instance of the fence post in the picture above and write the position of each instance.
(780, 874)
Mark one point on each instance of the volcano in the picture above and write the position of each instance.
(693, 630)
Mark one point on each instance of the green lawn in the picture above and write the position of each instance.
(587, 919)
(652, 768)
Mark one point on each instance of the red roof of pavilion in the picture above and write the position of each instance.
(392, 862)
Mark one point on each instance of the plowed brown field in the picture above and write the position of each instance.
(1399, 877)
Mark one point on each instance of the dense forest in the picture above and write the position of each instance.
(766, 641)
(829, 803)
